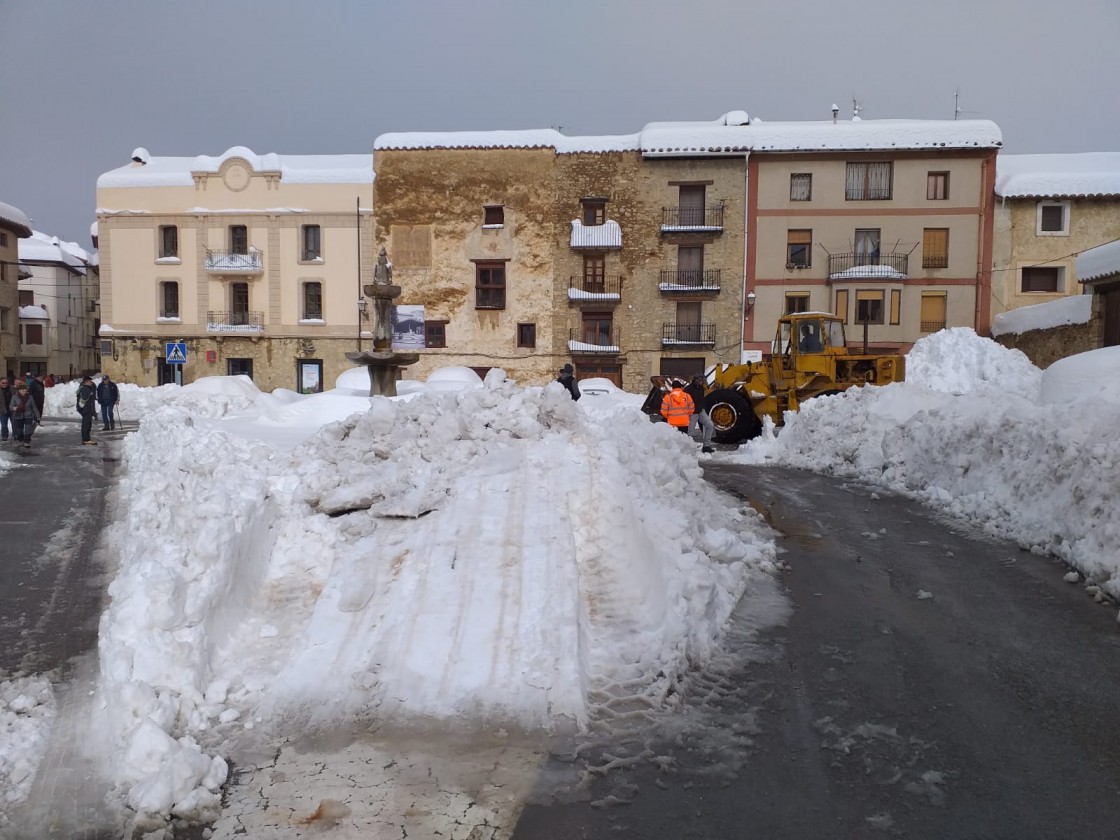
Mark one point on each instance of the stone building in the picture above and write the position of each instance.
(1050, 208)
(678, 247)
(252, 261)
(14, 226)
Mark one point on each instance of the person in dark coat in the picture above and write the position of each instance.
(87, 406)
(108, 395)
(6, 394)
(568, 380)
(25, 416)
(38, 393)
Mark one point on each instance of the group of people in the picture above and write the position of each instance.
(683, 408)
(23, 400)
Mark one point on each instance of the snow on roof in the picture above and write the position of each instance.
(729, 135)
(1091, 174)
(1074, 309)
(606, 235)
(293, 169)
(14, 219)
(1102, 261)
(34, 313)
(42, 247)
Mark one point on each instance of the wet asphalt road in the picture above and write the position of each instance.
(929, 683)
(52, 504)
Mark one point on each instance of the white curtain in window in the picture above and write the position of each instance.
(856, 172)
(879, 180)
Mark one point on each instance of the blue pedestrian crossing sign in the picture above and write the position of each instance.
(176, 353)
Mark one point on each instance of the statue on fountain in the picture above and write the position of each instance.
(383, 364)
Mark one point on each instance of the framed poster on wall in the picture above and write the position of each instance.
(309, 376)
(408, 327)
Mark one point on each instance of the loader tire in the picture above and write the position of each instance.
(733, 416)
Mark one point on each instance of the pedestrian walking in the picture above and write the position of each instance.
(108, 395)
(568, 380)
(677, 406)
(25, 415)
(87, 405)
(38, 393)
(6, 394)
(697, 389)
(48, 381)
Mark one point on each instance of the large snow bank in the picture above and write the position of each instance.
(1044, 316)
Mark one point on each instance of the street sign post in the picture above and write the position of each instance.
(176, 353)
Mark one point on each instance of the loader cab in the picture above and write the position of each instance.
(807, 335)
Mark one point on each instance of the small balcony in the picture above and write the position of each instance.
(595, 290)
(690, 280)
(867, 266)
(247, 323)
(233, 262)
(688, 334)
(596, 339)
(692, 219)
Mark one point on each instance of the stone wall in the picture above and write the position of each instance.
(1044, 347)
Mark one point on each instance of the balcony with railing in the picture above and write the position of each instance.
(234, 262)
(692, 219)
(684, 333)
(690, 280)
(593, 339)
(596, 290)
(235, 322)
(861, 266)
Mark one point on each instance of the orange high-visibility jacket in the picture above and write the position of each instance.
(677, 407)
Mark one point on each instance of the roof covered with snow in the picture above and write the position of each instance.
(293, 169)
(1074, 309)
(41, 247)
(1087, 175)
(1102, 261)
(34, 313)
(732, 134)
(14, 219)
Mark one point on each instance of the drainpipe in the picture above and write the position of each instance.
(743, 294)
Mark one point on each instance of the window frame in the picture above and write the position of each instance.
(598, 320)
(795, 180)
(165, 286)
(930, 237)
(25, 297)
(163, 252)
(793, 240)
(943, 300)
(1042, 270)
(937, 182)
(435, 333)
(593, 211)
(26, 331)
(490, 281)
(866, 192)
(236, 232)
(803, 303)
(493, 216)
(1040, 209)
(527, 334)
(307, 253)
(870, 296)
(305, 298)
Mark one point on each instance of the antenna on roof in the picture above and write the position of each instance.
(856, 106)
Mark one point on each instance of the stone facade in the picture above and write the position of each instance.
(1044, 347)
(250, 260)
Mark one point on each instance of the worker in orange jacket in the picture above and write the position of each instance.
(677, 406)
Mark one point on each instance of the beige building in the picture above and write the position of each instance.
(14, 226)
(678, 247)
(1049, 209)
(887, 223)
(249, 263)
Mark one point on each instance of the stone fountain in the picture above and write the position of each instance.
(382, 362)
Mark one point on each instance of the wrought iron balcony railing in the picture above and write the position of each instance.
(692, 218)
(235, 322)
(867, 266)
(232, 262)
(689, 280)
(595, 288)
(677, 333)
(593, 339)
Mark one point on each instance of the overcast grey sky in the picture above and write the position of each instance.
(84, 82)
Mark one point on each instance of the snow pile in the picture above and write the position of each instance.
(969, 434)
(1084, 378)
(27, 708)
(492, 554)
